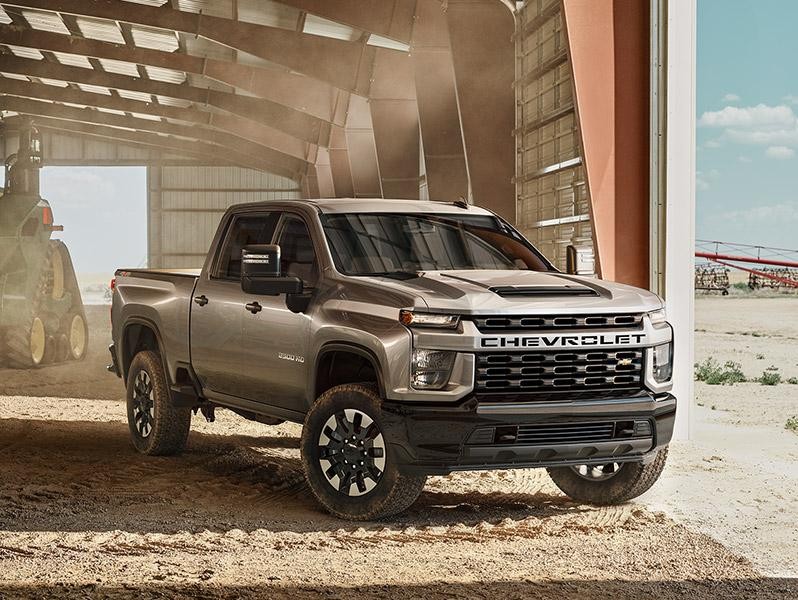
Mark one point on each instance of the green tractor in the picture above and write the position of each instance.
(42, 319)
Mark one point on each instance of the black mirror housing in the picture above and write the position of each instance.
(260, 272)
(271, 286)
(261, 260)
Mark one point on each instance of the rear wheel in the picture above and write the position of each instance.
(608, 483)
(348, 462)
(157, 427)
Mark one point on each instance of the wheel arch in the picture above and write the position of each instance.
(325, 359)
(138, 335)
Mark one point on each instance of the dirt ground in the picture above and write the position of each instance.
(81, 515)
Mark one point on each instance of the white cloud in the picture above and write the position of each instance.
(731, 98)
(712, 143)
(760, 115)
(766, 137)
(779, 152)
(775, 213)
(791, 99)
(701, 183)
(744, 159)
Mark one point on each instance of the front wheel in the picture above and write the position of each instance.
(347, 461)
(157, 427)
(609, 483)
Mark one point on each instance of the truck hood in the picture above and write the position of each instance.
(514, 292)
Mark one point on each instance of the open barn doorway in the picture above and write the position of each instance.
(104, 214)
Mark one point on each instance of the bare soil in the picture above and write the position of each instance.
(737, 478)
(82, 515)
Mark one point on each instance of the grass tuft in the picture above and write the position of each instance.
(712, 373)
(770, 376)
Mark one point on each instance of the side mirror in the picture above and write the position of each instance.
(260, 272)
(570, 260)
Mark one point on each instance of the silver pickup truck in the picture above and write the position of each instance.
(409, 338)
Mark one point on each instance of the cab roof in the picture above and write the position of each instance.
(374, 205)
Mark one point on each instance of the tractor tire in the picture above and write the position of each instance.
(60, 281)
(25, 346)
(77, 335)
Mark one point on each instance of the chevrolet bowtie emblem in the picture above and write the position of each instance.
(624, 361)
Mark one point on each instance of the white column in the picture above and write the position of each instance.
(680, 200)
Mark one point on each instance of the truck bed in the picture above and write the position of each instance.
(162, 298)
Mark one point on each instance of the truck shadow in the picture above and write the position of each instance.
(84, 476)
(584, 589)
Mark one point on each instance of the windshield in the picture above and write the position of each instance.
(404, 244)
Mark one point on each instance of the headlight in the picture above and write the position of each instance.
(415, 319)
(431, 369)
(657, 317)
(663, 362)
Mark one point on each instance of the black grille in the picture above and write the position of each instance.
(523, 323)
(571, 433)
(544, 373)
(553, 434)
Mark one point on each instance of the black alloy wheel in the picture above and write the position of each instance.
(352, 452)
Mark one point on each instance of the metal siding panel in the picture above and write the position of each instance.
(195, 198)
(547, 135)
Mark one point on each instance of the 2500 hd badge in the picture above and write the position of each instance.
(562, 341)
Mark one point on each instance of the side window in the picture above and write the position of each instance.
(297, 256)
(244, 231)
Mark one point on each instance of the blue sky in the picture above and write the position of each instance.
(747, 128)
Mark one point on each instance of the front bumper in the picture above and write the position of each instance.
(474, 435)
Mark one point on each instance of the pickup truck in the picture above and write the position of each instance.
(409, 338)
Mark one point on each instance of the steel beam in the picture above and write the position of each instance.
(394, 114)
(236, 149)
(340, 63)
(608, 45)
(296, 105)
(324, 176)
(481, 36)
(362, 150)
(388, 18)
(233, 124)
(439, 115)
(206, 153)
(339, 164)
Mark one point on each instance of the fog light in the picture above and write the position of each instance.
(431, 369)
(663, 362)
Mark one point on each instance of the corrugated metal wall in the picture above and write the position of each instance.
(70, 150)
(553, 205)
(186, 204)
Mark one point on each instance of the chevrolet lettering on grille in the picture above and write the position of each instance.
(564, 341)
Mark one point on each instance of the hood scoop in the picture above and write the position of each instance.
(537, 291)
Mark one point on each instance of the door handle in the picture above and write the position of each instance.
(254, 307)
(201, 300)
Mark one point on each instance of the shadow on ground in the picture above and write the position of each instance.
(77, 476)
(764, 589)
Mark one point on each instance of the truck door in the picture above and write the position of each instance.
(217, 315)
(275, 342)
